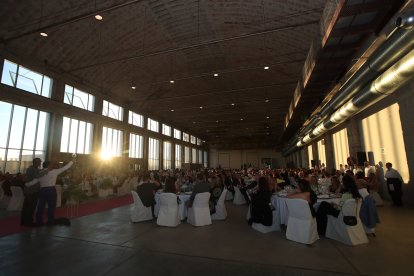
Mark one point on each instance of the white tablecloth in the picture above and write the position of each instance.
(281, 207)
(182, 208)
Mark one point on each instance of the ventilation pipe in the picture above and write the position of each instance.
(397, 45)
(392, 79)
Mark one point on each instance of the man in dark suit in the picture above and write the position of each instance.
(146, 191)
(200, 186)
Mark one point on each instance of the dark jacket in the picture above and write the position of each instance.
(261, 207)
(146, 193)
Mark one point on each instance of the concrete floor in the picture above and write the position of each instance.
(108, 244)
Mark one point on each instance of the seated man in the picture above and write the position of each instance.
(146, 191)
(200, 186)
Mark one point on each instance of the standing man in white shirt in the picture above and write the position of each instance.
(394, 183)
(47, 193)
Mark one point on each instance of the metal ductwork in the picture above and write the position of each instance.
(387, 83)
(396, 46)
(400, 43)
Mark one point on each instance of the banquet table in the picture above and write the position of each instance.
(279, 202)
(182, 208)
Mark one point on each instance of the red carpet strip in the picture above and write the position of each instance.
(11, 225)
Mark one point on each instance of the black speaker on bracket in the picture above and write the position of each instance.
(361, 158)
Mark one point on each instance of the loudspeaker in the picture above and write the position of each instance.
(361, 158)
(371, 158)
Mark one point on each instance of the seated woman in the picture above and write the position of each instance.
(305, 192)
(261, 205)
(336, 186)
(215, 191)
(350, 191)
(361, 184)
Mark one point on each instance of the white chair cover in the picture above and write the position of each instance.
(138, 211)
(229, 196)
(336, 228)
(199, 213)
(266, 229)
(238, 197)
(17, 199)
(58, 195)
(248, 215)
(168, 214)
(221, 211)
(301, 226)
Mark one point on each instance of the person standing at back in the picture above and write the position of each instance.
(146, 191)
(31, 193)
(394, 184)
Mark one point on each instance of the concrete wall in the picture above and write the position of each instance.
(234, 159)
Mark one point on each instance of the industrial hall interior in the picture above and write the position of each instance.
(208, 137)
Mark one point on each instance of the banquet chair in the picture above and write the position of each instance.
(267, 229)
(17, 199)
(336, 229)
(199, 213)
(229, 196)
(168, 213)
(238, 197)
(138, 211)
(301, 226)
(58, 195)
(221, 212)
(249, 210)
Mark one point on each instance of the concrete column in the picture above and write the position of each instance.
(354, 137)
(329, 152)
(315, 153)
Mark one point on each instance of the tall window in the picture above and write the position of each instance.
(78, 98)
(193, 156)
(153, 154)
(198, 142)
(177, 134)
(166, 130)
(186, 137)
(200, 157)
(382, 135)
(112, 111)
(136, 146)
(193, 139)
(186, 155)
(23, 136)
(135, 119)
(167, 156)
(205, 159)
(340, 147)
(20, 77)
(111, 142)
(178, 156)
(76, 136)
(153, 125)
(321, 152)
(310, 156)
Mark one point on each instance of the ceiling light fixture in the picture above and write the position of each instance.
(217, 121)
(133, 87)
(43, 34)
(267, 100)
(233, 104)
(267, 117)
(215, 74)
(241, 119)
(266, 67)
(171, 81)
(201, 107)
(98, 17)
(172, 110)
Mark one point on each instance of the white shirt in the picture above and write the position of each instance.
(391, 173)
(49, 179)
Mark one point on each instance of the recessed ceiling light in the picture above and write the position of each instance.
(171, 81)
(43, 34)
(268, 127)
(172, 110)
(267, 117)
(267, 100)
(98, 17)
(194, 122)
(241, 119)
(266, 67)
(215, 74)
(233, 104)
(133, 87)
(201, 107)
(217, 121)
